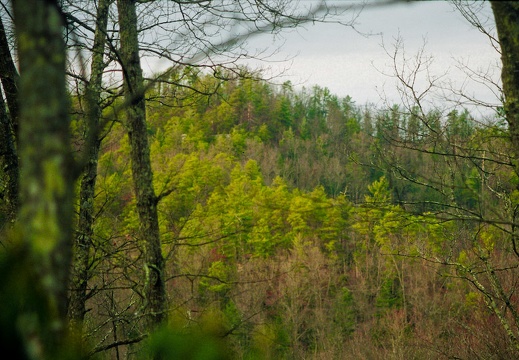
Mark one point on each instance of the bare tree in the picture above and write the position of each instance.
(135, 109)
(198, 27)
(466, 166)
(83, 244)
(47, 170)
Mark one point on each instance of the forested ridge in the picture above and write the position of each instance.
(208, 213)
(288, 220)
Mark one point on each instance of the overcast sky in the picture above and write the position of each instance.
(348, 63)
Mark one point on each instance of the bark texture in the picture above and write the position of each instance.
(506, 15)
(46, 164)
(155, 295)
(8, 125)
(9, 76)
(9, 156)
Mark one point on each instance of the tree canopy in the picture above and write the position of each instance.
(208, 213)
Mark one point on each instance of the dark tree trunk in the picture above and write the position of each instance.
(9, 76)
(141, 165)
(10, 165)
(46, 164)
(80, 275)
(506, 14)
(8, 125)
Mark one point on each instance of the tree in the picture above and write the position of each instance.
(135, 110)
(47, 173)
(83, 244)
(203, 22)
(463, 175)
(230, 226)
(506, 14)
(8, 125)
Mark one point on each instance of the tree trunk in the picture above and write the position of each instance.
(46, 164)
(9, 76)
(8, 125)
(506, 15)
(9, 164)
(141, 164)
(80, 276)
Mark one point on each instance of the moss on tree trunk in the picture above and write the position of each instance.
(46, 164)
(141, 163)
(506, 14)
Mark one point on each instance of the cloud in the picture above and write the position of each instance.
(346, 62)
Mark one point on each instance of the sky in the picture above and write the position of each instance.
(347, 62)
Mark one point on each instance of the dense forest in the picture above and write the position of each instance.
(297, 221)
(208, 213)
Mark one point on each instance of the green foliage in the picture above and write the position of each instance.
(194, 343)
(24, 310)
(345, 312)
(281, 215)
(390, 295)
(217, 278)
(293, 224)
(269, 341)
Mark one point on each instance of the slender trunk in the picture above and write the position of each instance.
(10, 164)
(141, 163)
(80, 276)
(493, 306)
(506, 15)
(9, 77)
(8, 125)
(46, 164)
